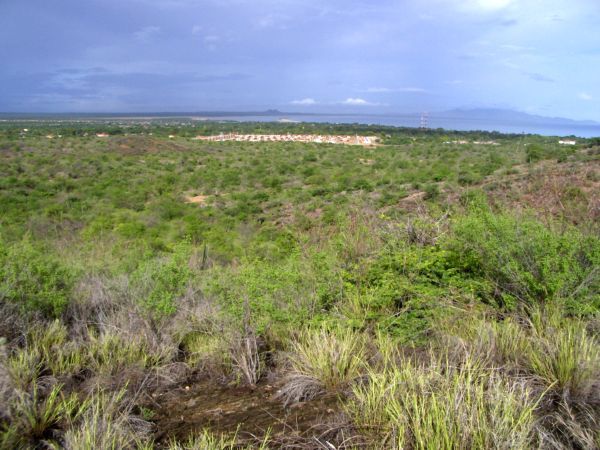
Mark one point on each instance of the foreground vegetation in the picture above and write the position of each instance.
(420, 294)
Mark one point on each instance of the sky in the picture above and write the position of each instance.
(377, 56)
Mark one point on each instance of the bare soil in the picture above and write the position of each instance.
(198, 199)
(187, 409)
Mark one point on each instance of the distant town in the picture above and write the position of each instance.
(320, 139)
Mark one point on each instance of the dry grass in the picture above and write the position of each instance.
(107, 423)
(323, 361)
(562, 353)
(211, 441)
(247, 359)
(6, 384)
(443, 405)
(570, 426)
(37, 416)
(553, 354)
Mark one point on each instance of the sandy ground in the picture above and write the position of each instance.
(198, 199)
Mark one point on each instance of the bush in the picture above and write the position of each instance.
(161, 281)
(534, 153)
(34, 280)
(432, 192)
(527, 261)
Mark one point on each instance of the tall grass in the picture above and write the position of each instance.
(557, 350)
(443, 406)
(24, 368)
(562, 353)
(323, 361)
(106, 422)
(211, 441)
(35, 417)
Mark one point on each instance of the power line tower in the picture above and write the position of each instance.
(424, 121)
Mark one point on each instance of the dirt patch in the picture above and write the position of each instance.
(251, 412)
(567, 190)
(197, 199)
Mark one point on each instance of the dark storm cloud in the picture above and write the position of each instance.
(209, 54)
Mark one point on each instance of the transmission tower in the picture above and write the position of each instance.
(424, 121)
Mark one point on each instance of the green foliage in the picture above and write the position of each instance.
(161, 281)
(277, 293)
(534, 153)
(526, 260)
(35, 280)
(432, 191)
(291, 236)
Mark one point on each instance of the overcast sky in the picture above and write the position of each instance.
(537, 56)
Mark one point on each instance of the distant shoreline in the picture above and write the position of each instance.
(501, 121)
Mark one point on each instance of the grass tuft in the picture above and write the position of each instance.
(323, 361)
(443, 406)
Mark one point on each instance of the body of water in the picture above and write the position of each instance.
(448, 123)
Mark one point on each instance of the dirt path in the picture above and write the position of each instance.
(250, 412)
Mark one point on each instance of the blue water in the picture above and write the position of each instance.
(448, 123)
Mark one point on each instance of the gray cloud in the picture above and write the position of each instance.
(224, 54)
(539, 77)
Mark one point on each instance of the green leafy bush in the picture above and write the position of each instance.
(534, 153)
(36, 281)
(161, 281)
(526, 260)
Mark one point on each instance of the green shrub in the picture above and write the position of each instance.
(467, 178)
(161, 281)
(534, 153)
(432, 191)
(36, 281)
(281, 292)
(526, 260)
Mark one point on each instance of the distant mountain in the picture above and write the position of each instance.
(508, 116)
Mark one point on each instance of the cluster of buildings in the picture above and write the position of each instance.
(319, 139)
(474, 142)
(567, 142)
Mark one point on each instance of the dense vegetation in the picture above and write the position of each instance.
(428, 294)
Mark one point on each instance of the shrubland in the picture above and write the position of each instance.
(429, 295)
